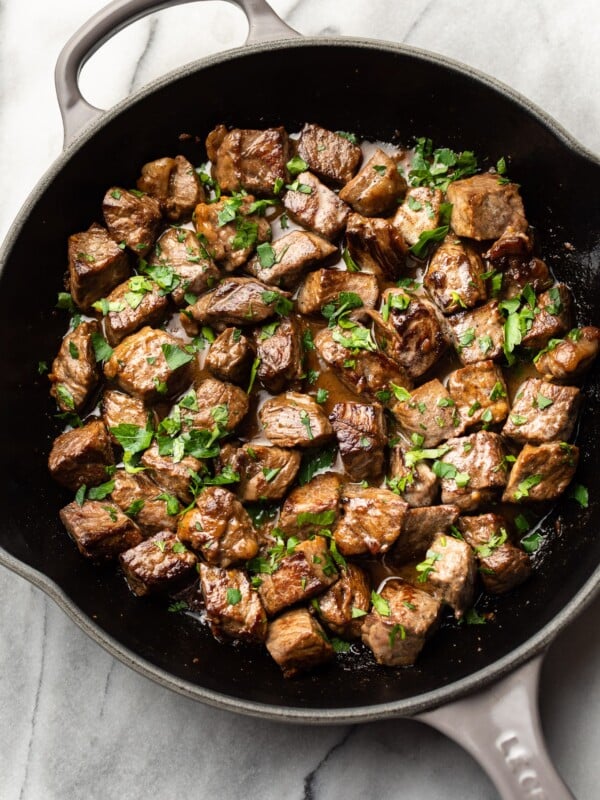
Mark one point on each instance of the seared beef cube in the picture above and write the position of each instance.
(360, 431)
(419, 212)
(119, 408)
(174, 183)
(376, 246)
(480, 393)
(512, 243)
(219, 528)
(96, 265)
(237, 301)
(180, 250)
(295, 420)
(137, 496)
(502, 565)
(396, 638)
(266, 473)
(421, 526)
(473, 470)
(430, 413)
(377, 188)
(307, 571)
(479, 334)
(131, 219)
(542, 412)
(133, 309)
(140, 367)
(230, 231)
(310, 508)
(416, 484)
(311, 204)
(541, 472)
(324, 285)
(331, 156)
(159, 564)
(81, 456)
(249, 159)
(371, 520)
(75, 372)
(552, 319)
(450, 570)
(409, 330)
(453, 277)
(572, 356)
(289, 258)
(219, 403)
(483, 207)
(230, 356)
(279, 352)
(99, 529)
(297, 642)
(173, 476)
(233, 608)
(519, 273)
(338, 606)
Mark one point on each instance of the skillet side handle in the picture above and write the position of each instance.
(76, 112)
(500, 727)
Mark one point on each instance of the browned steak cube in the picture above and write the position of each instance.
(131, 218)
(421, 526)
(81, 456)
(331, 156)
(518, 273)
(343, 607)
(285, 261)
(297, 642)
(150, 364)
(230, 356)
(419, 212)
(179, 249)
(311, 204)
(360, 431)
(541, 472)
(553, 317)
(119, 408)
(310, 508)
(233, 608)
(138, 497)
(473, 470)
(219, 403)
(570, 357)
(159, 564)
(96, 265)
(249, 159)
(294, 420)
(480, 393)
(542, 412)
(512, 243)
(483, 207)
(453, 277)
(377, 188)
(371, 520)
(324, 285)
(99, 529)
(75, 372)
(376, 246)
(279, 352)
(219, 528)
(266, 473)
(416, 483)
(173, 476)
(238, 301)
(174, 183)
(135, 303)
(449, 570)
(429, 412)
(479, 334)
(397, 630)
(502, 565)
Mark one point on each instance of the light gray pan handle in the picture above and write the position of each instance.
(76, 112)
(500, 727)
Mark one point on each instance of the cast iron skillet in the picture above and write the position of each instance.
(378, 90)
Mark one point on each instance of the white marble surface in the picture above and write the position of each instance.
(74, 723)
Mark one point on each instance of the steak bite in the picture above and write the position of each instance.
(294, 420)
(179, 250)
(238, 301)
(541, 472)
(420, 528)
(453, 277)
(360, 431)
(285, 261)
(519, 273)
(138, 497)
(219, 528)
(479, 334)
(248, 159)
(131, 218)
(100, 530)
(119, 408)
(371, 520)
(157, 565)
(230, 356)
(331, 156)
(542, 412)
(429, 412)
(338, 606)
(552, 318)
(219, 404)
(570, 357)
(266, 473)
(279, 352)
(512, 243)
(480, 393)
(174, 476)
(81, 456)
(419, 212)
(397, 630)
(311, 204)
(325, 285)
(96, 265)
(297, 642)
(136, 303)
(483, 207)
(233, 608)
(174, 183)
(416, 484)
(449, 570)
(377, 188)
(310, 508)
(75, 372)
(376, 245)
(473, 470)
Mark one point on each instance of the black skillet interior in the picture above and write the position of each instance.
(379, 93)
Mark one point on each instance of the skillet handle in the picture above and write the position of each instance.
(500, 727)
(76, 112)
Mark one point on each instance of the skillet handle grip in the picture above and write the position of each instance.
(76, 112)
(500, 727)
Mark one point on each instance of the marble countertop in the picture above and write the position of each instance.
(75, 723)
